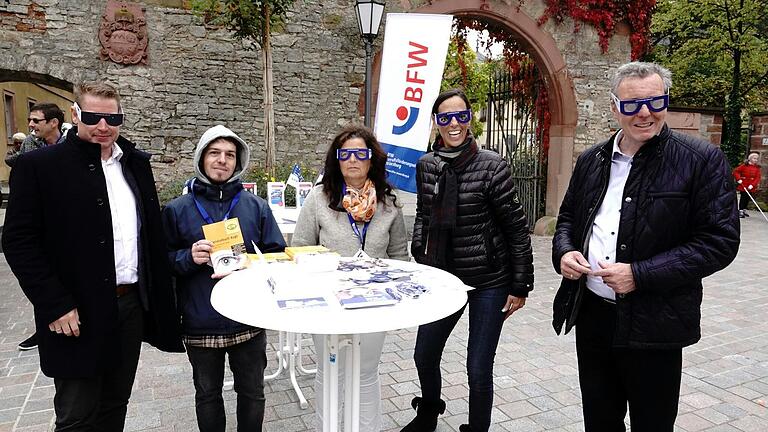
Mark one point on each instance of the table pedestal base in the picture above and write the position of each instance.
(332, 345)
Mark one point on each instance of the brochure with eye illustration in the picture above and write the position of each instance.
(364, 297)
(228, 252)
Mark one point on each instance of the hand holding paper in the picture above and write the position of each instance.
(227, 252)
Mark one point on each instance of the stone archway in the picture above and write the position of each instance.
(545, 52)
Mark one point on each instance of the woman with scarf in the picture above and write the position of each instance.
(469, 222)
(354, 209)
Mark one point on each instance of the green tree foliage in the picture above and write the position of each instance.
(254, 20)
(468, 74)
(718, 53)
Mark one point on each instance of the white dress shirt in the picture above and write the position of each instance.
(605, 229)
(125, 227)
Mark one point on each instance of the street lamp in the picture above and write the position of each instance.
(369, 13)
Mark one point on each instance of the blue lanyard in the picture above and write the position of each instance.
(355, 229)
(203, 213)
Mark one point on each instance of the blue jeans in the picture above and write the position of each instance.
(247, 361)
(485, 322)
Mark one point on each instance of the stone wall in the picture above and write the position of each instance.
(199, 76)
(704, 123)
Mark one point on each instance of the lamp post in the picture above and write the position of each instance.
(369, 13)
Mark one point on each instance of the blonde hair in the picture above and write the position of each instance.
(98, 89)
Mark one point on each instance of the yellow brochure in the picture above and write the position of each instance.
(228, 252)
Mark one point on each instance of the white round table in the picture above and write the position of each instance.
(245, 296)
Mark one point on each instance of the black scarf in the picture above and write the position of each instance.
(451, 161)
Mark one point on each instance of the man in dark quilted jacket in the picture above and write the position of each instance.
(648, 214)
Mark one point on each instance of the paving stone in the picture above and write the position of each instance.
(692, 423)
(699, 400)
(519, 409)
(40, 418)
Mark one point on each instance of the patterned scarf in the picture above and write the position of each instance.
(361, 204)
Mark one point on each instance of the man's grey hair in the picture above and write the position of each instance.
(641, 70)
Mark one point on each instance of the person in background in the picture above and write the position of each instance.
(16, 141)
(83, 236)
(354, 209)
(648, 213)
(747, 177)
(469, 222)
(215, 194)
(45, 122)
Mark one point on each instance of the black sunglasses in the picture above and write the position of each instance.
(36, 120)
(92, 118)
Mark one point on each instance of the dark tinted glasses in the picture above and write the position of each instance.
(35, 120)
(360, 154)
(630, 107)
(92, 118)
(444, 119)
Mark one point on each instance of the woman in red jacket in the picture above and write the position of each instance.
(747, 176)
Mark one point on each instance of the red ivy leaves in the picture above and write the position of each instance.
(527, 81)
(603, 15)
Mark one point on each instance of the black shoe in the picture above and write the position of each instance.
(464, 428)
(426, 415)
(742, 214)
(29, 343)
(746, 214)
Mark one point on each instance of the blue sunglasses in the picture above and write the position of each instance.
(444, 118)
(630, 107)
(360, 154)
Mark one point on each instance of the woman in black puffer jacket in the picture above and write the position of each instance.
(469, 222)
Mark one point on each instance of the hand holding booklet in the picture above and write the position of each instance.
(228, 252)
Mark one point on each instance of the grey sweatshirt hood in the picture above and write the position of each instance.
(212, 134)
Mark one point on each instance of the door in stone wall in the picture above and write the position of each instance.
(517, 128)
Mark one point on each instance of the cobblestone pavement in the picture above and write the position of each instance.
(725, 376)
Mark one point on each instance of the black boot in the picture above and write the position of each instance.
(426, 415)
(464, 428)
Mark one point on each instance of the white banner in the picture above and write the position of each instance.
(415, 46)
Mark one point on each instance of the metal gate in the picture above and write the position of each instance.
(516, 129)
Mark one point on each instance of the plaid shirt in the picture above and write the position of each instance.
(30, 143)
(221, 341)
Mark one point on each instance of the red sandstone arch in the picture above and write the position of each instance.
(550, 62)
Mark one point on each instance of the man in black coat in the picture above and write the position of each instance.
(83, 236)
(647, 215)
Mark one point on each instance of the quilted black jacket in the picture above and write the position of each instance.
(490, 245)
(679, 224)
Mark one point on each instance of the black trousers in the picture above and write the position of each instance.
(743, 200)
(612, 378)
(247, 360)
(100, 403)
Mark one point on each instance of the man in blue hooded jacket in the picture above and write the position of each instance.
(216, 194)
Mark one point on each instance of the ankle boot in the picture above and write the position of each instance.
(426, 415)
(464, 428)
